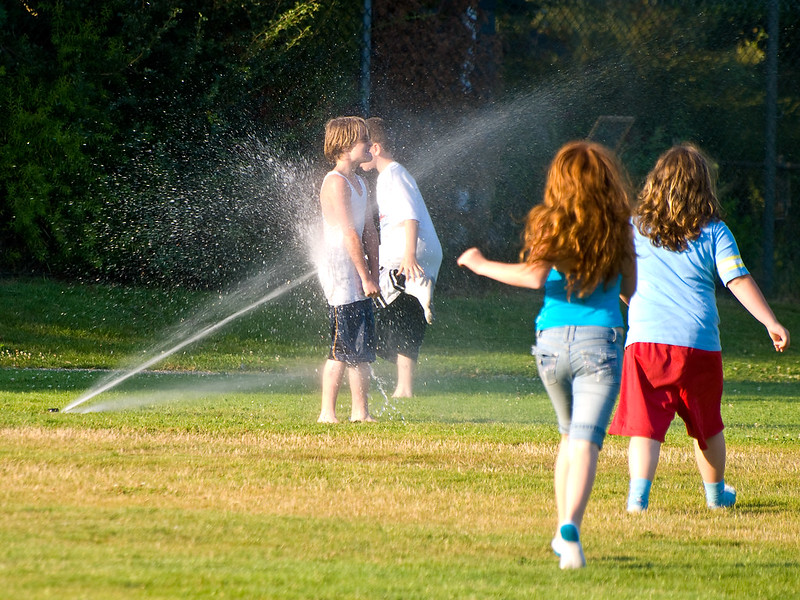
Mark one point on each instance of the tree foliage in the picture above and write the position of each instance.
(120, 122)
(88, 89)
(684, 71)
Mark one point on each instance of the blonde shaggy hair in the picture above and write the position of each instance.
(583, 224)
(342, 134)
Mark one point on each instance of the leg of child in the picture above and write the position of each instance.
(711, 464)
(583, 456)
(560, 478)
(405, 377)
(643, 454)
(332, 374)
(560, 485)
(358, 376)
(580, 478)
(711, 461)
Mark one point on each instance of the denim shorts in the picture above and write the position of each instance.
(581, 368)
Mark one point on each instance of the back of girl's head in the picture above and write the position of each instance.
(583, 221)
(678, 198)
(582, 177)
(341, 134)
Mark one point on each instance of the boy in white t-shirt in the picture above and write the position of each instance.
(410, 255)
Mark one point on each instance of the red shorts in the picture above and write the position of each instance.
(660, 381)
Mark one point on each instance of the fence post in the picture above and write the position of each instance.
(366, 56)
(770, 142)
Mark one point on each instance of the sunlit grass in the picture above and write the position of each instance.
(217, 482)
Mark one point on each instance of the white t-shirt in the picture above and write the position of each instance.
(399, 200)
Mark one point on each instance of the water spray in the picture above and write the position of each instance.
(190, 340)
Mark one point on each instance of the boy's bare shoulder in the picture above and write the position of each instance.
(335, 189)
(335, 183)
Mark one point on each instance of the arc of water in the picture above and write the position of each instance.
(190, 340)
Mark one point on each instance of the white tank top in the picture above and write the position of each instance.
(337, 273)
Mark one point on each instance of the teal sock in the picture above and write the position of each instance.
(571, 556)
(569, 532)
(639, 494)
(719, 495)
(714, 492)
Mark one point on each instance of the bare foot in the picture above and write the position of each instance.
(402, 394)
(367, 419)
(323, 418)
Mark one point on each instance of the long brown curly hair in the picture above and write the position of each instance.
(679, 198)
(583, 224)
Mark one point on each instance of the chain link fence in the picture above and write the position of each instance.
(638, 76)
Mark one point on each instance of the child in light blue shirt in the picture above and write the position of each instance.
(673, 359)
(682, 285)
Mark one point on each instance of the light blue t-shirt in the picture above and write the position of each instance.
(600, 308)
(674, 301)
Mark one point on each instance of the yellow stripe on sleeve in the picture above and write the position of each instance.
(731, 263)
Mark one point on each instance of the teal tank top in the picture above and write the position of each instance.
(600, 308)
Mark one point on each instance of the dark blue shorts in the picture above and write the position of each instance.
(352, 333)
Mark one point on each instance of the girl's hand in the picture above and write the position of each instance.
(470, 258)
(780, 337)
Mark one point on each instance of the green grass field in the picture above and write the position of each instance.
(207, 477)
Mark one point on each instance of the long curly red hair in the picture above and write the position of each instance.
(678, 199)
(583, 224)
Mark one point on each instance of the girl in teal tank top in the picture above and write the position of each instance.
(577, 246)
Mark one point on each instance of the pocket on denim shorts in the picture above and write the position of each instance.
(602, 363)
(546, 361)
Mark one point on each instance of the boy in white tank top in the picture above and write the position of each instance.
(348, 269)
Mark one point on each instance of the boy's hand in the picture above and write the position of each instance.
(411, 268)
(371, 288)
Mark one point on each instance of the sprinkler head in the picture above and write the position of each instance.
(52, 410)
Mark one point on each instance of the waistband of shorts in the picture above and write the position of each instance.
(572, 333)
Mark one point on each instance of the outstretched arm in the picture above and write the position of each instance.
(749, 295)
(517, 274)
